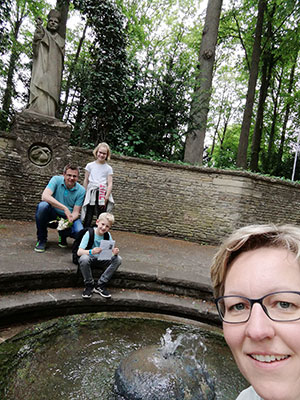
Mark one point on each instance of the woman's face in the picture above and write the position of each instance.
(254, 274)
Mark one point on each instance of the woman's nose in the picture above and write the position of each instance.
(259, 326)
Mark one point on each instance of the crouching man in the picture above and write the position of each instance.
(62, 198)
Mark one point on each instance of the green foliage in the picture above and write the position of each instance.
(17, 46)
(159, 110)
(131, 80)
(102, 76)
(162, 61)
(230, 83)
(133, 84)
(224, 155)
(4, 15)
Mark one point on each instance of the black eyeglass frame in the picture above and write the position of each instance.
(253, 301)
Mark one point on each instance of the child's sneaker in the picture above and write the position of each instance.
(101, 289)
(62, 241)
(88, 292)
(40, 247)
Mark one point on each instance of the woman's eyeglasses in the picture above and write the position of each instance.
(278, 306)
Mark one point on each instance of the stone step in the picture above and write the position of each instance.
(40, 304)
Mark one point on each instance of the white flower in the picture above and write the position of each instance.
(62, 224)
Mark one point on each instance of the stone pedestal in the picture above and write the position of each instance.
(42, 143)
(34, 151)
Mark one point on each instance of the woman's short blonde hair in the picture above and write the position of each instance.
(249, 238)
(103, 144)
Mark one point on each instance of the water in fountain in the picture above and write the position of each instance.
(168, 345)
(76, 357)
(170, 371)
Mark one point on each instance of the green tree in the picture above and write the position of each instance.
(225, 152)
(200, 103)
(20, 12)
(160, 87)
(103, 80)
(4, 16)
(245, 129)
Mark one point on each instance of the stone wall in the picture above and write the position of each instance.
(197, 204)
(192, 203)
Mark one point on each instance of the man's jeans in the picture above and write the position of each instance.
(46, 213)
(86, 262)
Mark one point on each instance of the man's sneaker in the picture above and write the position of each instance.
(88, 292)
(62, 242)
(40, 247)
(101, 289)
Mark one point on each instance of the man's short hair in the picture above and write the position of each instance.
(71, 166)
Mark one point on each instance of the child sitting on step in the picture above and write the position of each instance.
(89, 258)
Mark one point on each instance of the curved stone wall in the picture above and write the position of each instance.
(187, 202)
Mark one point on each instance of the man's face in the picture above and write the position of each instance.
(71, 177)
(53, 24)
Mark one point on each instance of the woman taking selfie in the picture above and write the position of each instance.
(256, 280)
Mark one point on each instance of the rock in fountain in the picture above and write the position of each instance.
(153, 373)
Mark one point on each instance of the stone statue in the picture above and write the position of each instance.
(48, 55)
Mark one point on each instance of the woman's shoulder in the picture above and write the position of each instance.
(248, 394)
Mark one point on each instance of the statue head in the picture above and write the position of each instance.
(54, 18)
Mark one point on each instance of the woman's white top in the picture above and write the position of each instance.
(248, 394)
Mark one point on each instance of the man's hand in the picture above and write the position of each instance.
(68, 214)
(47, 196)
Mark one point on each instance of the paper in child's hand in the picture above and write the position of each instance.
(107, 247)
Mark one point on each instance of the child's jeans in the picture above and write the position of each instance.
(86, 262)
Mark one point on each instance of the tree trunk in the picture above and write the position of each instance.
(257, 134)
(243, 143)
(286, 115)
(63, 7)
(200, 104)
(9, 89)
(270, 155)
(68, 84)
(267, 69)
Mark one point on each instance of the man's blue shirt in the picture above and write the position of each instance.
(68, 197)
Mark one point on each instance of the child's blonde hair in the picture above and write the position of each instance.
(110, 218)
(249, 238)
(103, 144)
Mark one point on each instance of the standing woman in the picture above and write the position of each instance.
(98, 182)
(256, 280)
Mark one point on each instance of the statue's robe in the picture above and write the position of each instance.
(45, 86)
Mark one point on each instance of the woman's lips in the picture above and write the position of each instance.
(268, 358)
